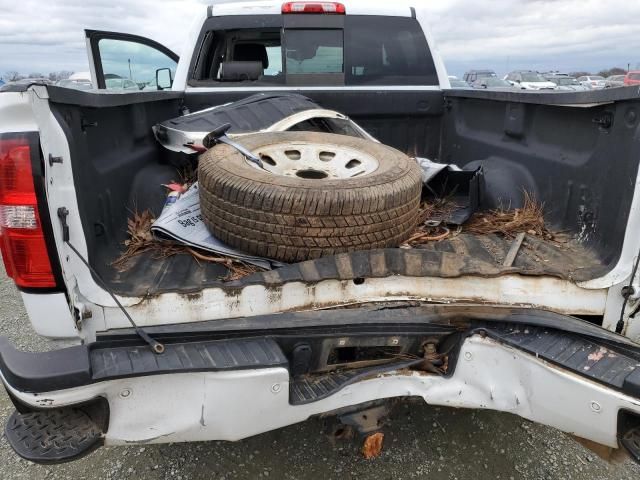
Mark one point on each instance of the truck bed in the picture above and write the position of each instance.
(552, 146)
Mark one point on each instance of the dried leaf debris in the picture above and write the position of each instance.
(502, 221)
(430, 228)
(142, 240)
(529, 219)
(140, 237)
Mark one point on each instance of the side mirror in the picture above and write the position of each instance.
(518, 81)
(163, 78)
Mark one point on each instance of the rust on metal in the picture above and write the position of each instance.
(372, 447)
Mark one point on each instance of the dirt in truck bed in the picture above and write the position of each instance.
(478, 248)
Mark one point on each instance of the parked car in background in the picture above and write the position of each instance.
(80, 76)
(493, 83)
(554, 73)
(152, 85)
(595, 82)
(566, 83)
(81, 81)
(529, 80)
(475, 75)
(614, 81)
(632, 78)
(455, 82)
(76, 84)
(121, 84)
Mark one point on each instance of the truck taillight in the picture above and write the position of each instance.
(22, 241)
(314, 7)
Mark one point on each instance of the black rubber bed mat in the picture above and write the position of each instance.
(461, 255)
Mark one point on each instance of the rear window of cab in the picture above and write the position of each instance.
(348, 50)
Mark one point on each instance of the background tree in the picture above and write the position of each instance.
(613, 71)
(579, 74)
(60, 75)
(12, 76)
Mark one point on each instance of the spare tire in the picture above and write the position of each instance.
(318, 194)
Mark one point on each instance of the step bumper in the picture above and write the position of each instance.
(236, 403)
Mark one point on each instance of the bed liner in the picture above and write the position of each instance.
(461, 255)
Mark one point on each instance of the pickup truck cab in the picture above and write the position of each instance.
(546, 330)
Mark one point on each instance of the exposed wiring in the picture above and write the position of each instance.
(620, 325)
(156, 346)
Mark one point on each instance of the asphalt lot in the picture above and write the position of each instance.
(420, 442)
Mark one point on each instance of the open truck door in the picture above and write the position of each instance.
(124, 62)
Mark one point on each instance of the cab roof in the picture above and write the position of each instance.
(397, 8)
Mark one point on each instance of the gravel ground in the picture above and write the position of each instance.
(420, 442)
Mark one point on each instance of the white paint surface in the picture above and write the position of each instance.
(50, 315)
(236, 405)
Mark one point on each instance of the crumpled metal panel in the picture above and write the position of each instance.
(261, 112)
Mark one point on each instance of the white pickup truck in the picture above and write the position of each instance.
(550, 335)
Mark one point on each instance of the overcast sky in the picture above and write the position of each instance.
(567, 35)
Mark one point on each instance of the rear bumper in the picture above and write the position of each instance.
(241, 400)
